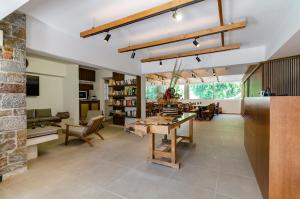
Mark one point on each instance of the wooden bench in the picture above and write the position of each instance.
(37, 136)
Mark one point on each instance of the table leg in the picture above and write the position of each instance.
(191, 130)
(173, 145)
(151, 146)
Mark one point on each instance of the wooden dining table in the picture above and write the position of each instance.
(164, 153)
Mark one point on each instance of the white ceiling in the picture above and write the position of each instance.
(290, 48)
(74, 16)
(224, 74)
(8, 6)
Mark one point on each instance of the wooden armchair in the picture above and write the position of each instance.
(82, 132)
(210, 112)
(90, 114)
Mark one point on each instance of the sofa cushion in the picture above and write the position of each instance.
(45, 119)
(33, 120)
(43, 113)
(30, 113)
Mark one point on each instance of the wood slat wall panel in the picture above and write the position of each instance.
(283, 76)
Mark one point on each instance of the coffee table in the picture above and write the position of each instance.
(37, 136)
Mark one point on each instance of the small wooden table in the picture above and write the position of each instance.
(165, 154)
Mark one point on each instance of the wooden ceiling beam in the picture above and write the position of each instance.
(220, 7)
(152, 78)
(192, 53)
(197, 76)
(201, 33)
(152, 12)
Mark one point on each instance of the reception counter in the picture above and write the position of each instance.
(272, 142)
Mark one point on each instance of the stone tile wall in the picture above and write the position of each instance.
(13, 134)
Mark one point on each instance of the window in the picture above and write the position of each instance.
(180, 90)
(227, 90)
(154, 92)
(151, 92)
(230, 90)
(201, 91)
(206, 91)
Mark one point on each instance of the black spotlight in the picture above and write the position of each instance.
(196, 43)
(107, 37)
(160, 63)
(132, 55)
(198, 59)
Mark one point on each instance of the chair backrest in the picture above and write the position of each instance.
(93, 125)
(211, 108)
(91, 114)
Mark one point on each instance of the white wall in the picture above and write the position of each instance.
(70, 91)
(99, 87)
(143, 97)
(45, 40)
(59, 86)
(230, 106)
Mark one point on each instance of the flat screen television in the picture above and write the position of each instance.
(32, 85)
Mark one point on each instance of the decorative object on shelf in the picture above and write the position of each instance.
(130, 91)
(131, 114)
(111, 82)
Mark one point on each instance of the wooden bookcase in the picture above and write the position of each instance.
(126, 95)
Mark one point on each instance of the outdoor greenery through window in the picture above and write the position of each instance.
(228, 90)
(154, 92)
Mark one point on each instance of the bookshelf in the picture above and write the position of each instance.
(125, 97)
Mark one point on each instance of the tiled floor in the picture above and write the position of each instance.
(217, 168)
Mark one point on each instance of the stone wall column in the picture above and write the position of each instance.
(13, 134)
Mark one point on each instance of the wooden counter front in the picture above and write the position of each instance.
(272, 141)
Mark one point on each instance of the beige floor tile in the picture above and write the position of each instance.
(196, 176)
(238, 187)
(174, 190)
(136, 185)
(219, 196)
(117, 167)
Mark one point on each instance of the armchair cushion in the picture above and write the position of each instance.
(79, 131)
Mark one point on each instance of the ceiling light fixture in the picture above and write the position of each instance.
(198, 59)
(196, 43)
(177, 16)
(214, 72)
(133, 55)
(107, 37)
